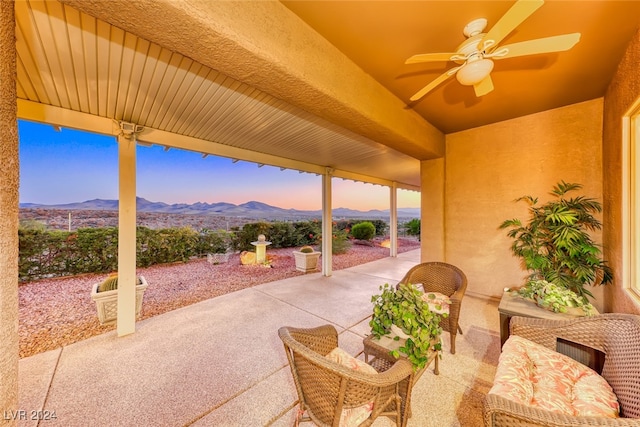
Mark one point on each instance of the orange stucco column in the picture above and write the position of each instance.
(432, 210)
(9, 179)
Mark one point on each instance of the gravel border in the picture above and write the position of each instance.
(57, 312)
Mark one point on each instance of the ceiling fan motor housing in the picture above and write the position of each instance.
(475, 27)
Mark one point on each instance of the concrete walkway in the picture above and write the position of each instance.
(221, 363)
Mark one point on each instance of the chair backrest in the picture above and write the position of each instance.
(324, 387)
(622, 361)
(437, 277)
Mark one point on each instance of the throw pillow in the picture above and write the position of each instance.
(352, 416)
(438, 303)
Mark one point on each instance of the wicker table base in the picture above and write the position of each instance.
(377, 353)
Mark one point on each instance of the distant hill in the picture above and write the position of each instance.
(251, 209)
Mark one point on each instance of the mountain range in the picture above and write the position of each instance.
(252, 209)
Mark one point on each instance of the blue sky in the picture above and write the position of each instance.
(71, 166)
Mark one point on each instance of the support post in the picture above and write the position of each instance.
(9, 202)
(327, 223)
(126, 323)
(393, 220)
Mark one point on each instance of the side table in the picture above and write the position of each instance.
(513, 305)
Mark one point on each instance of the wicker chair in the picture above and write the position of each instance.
(325, 388)
(617, 336)
(446, 279)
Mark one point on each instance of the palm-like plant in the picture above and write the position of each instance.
(555, 244)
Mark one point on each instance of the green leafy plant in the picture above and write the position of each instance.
(363, 231)
(555, 244)
(306, 249)
(405, 308)
(339, 242)
(413, 227)
(111, 283)
(553, 297)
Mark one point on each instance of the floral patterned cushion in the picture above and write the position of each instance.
(438, 303)
(533, 375)
(353, 416)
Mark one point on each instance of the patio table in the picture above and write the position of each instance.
(377, 353)
(512, 304)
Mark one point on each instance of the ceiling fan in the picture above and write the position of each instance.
(476, 54)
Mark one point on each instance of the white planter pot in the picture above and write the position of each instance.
(306, 261)
(397, 331)
(107, 302)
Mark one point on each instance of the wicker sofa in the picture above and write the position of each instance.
(615, 336)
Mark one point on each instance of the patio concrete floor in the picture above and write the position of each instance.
(220, 362)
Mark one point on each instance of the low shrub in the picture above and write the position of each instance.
(363, 231)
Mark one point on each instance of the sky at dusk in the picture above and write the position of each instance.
(69, 166)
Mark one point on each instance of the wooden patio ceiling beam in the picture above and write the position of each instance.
(267, 46)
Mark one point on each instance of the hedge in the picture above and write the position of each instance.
(45, 254)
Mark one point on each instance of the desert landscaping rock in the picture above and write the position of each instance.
(58, 312)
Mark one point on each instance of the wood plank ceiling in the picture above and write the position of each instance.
(73, 61)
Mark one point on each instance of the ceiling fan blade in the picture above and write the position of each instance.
(434, 83)
(520, 11)
(429, 57)
(544, 45)
(484, 87)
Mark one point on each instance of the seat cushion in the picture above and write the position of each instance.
(353, 416)
(533, 375)
(438, 303)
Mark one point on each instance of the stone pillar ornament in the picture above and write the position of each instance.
(261, 249)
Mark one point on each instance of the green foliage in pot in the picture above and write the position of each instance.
(553, 297)
(405, 308)
(111, 283)
(555, 244)
(306, 249)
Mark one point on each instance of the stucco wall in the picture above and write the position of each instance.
(432, 227)
(488, 167)
(9, 217)
(623, 91)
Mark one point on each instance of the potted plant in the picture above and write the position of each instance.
(405, 308)
(105, 295)
(306, 259)
(556, 298)
(555, 244)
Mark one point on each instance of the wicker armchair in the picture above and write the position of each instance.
(326, 388)
(446, 279)
(617, 336)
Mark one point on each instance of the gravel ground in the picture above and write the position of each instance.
(58, 312)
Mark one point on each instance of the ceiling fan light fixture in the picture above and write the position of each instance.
(474, 72)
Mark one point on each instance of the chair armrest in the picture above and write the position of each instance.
(457, 296)
(400, 370)
(499, 411)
